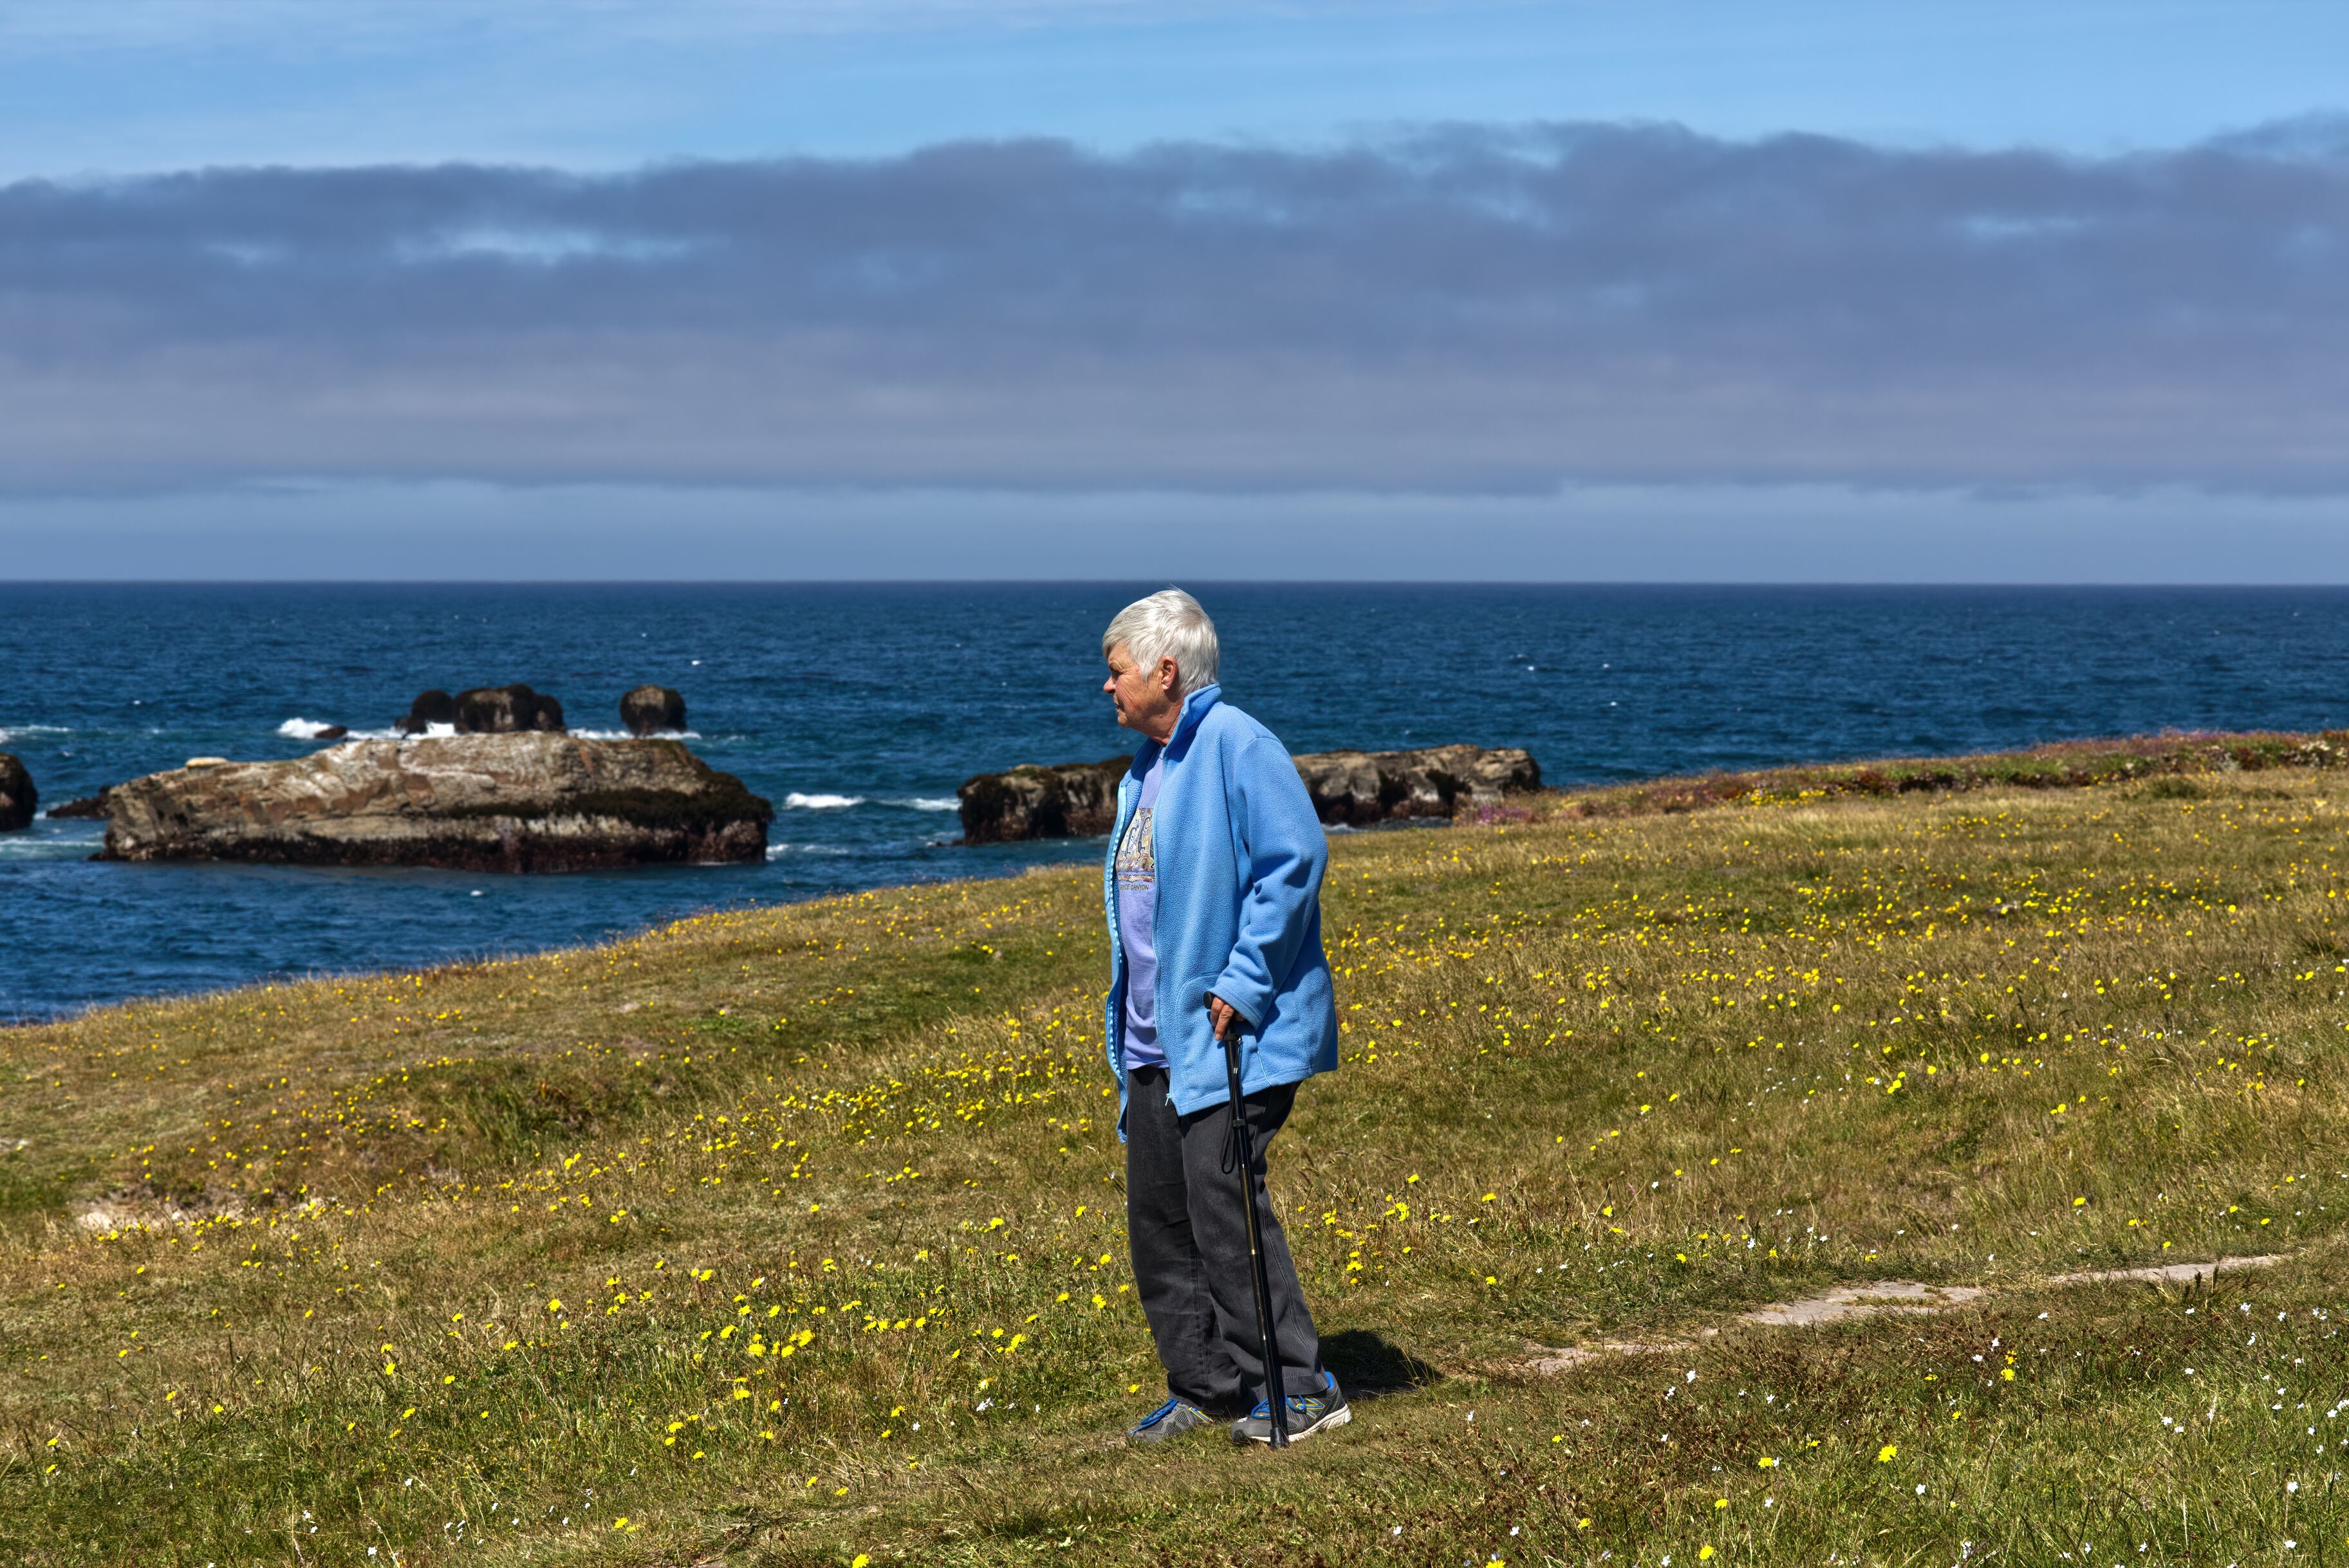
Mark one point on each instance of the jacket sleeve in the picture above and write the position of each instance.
(1283, 854)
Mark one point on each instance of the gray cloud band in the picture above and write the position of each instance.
(1465, 310)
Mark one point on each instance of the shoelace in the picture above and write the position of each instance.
(1160, 1414)
(1301, 1403)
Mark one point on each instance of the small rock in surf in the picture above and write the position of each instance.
(483, 710)
(431, 707)
(18, 796)
(652, 709)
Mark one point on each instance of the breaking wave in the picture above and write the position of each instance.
(40, 846)
(431, 732)
(307, 729)
(798, 801)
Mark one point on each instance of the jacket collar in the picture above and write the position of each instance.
(1195, 708)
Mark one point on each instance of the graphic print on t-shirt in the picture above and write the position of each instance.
(1136, 873)
(1137, 856)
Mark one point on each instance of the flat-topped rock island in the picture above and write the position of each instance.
(527, 801)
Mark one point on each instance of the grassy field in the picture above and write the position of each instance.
(794, 1236)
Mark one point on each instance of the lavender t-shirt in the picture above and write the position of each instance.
(1137, 923)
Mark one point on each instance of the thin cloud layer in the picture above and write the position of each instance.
(1470, 310)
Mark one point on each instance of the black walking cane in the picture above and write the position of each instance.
(1276, 1401)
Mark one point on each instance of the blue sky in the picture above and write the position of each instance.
(1988, 291)
(147, 85)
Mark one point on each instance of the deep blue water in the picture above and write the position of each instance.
(889, 696)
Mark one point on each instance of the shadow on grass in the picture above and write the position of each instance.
(1368, 1365)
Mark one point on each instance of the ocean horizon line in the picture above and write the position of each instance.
(1350, 584)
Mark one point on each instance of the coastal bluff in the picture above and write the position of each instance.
(528, 801)
(1349, 789)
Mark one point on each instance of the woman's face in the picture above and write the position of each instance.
(1144, 698)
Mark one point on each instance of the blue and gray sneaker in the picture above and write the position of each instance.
(1171, 1420)
(1307, 1414)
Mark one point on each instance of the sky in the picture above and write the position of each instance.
(1084, 288)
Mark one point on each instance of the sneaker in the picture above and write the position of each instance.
(1171, 1420)
(1307, 1414)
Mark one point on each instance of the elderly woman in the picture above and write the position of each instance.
(1213, 891)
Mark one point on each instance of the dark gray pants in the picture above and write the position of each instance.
(1189, 1235)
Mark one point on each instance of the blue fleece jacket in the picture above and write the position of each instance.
(1241, 857)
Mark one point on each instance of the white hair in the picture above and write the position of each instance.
(1168, 624)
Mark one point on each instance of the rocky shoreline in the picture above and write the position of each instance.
(1349, 789)
(1364, 789)
(1070, 800)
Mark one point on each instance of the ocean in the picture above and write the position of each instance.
(858, 710)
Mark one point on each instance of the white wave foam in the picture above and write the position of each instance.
(45, 847)
(431, 732)
(449, 731)
(302, 728)
(777, 851)
(14, 730)
(931, 803)
(821, 803)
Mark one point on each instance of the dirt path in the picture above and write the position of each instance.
(1887, 1296)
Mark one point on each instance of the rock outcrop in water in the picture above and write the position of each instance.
(18, 796)
(431, 707)
(653, 709)
(483, 710)
(506, 710)
(524, 802)
(1074, 801)
(87, 806)
(1361, 788)
(1354, 788)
